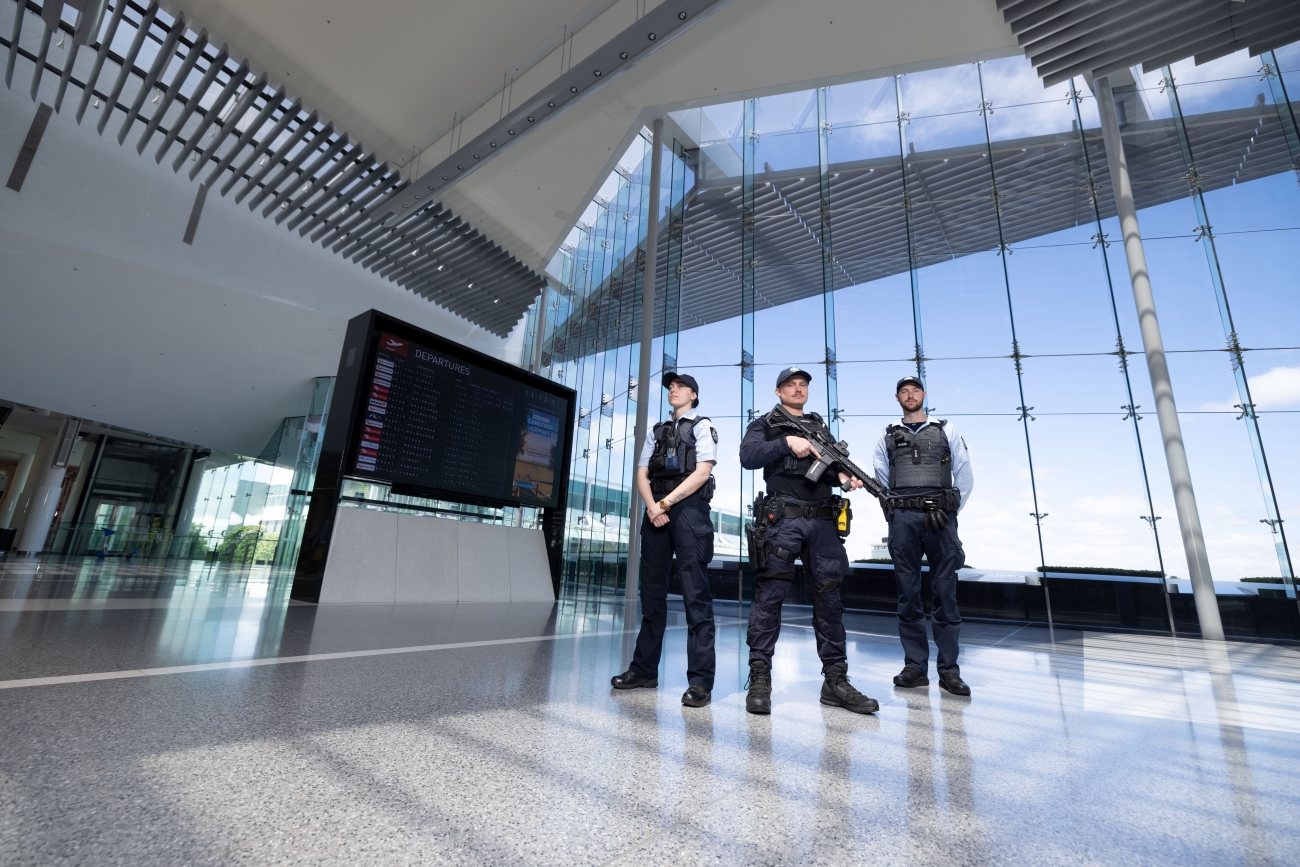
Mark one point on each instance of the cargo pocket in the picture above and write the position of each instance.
(702, 527)
(830, 566)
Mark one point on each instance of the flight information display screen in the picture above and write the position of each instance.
(436, 421)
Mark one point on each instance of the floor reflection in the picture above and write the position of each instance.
(489, 734)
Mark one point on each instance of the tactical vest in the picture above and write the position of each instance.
(673, 458)
(919, 460)
(789, 465)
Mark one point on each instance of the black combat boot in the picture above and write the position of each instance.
(910, 678)
(696, 696)
(631, 680)
(838, 692)
(953, 683)
(759, 700)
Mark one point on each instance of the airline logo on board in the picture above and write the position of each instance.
(395, 345)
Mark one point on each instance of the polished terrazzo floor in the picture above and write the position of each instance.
(194, 716)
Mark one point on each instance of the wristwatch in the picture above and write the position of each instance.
(664, 505)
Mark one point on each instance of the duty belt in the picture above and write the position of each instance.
(803, 509)
(943, 501)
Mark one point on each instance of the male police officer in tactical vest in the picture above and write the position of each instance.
(675, 478)
(927, 468)
(798, 518)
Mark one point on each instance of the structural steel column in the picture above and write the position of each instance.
(1180, 475)
(632, 588)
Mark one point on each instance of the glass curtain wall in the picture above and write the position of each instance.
(958, 224)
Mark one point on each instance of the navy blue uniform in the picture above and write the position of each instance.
(814, 539)
(688, 535)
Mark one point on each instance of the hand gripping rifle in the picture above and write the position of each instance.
(831, 453)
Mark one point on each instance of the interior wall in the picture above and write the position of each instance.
(105, 314)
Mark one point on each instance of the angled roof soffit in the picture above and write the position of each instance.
(1066, 38)
(145, 73)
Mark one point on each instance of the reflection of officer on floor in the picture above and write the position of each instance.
(675, 478)
(802, 523)
(927, 468)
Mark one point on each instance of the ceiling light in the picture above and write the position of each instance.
(471, 285)
(652, 37)
(59, 44)
(154, 101)
(431, 185)
(263, 162)
(622, 55)
(492, 144)
(475, 156)
(460, 168)
(597, 73)
(439, 267)
(573, 90)
(496, 300)
(444, 177)
(681, 16)
(512, 132)
(530, 118)
(96, 102)
(548, 105)
(417, 198)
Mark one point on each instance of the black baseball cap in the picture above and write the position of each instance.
(912, 380)
(686, 378)
(789, 372)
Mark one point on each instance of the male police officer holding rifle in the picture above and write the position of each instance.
(927, 468)
(675, 478)
(799, 516)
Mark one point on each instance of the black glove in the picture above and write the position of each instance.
(936, 519)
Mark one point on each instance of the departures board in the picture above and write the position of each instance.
(432, 419)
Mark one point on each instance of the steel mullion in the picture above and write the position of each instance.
(258, 122)
(191, 58)
(128, 63)
(212, 114)
(192, 103)
(100, 55)
(160, 64)
(274, 160)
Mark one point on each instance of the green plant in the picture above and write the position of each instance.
(1100, 570)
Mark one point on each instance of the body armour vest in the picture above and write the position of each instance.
(919, 460)
(673, 458)
(789, 465)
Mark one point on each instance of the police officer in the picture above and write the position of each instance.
(803, 525)
(675, 479)
(927, 468)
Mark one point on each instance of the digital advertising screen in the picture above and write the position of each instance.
(434, 420)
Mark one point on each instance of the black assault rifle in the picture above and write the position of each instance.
(831, 454)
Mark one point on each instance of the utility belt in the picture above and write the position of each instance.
(947, 501)
(661, 488)
(768, 510)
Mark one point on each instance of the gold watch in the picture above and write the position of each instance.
(664, 505)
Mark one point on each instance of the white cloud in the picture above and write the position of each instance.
(1277, 389)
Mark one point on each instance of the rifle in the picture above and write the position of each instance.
(832, 453)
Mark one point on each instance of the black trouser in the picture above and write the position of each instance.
(826, 563)
(909, 538)
(689, 535)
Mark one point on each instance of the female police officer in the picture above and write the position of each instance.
(675, 478)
